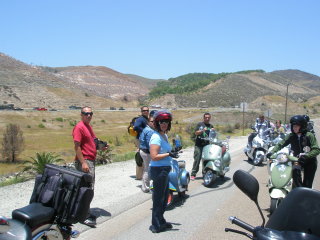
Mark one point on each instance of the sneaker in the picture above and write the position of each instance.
(193, 178)
(90, 222)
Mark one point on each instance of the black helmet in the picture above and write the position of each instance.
(299, 120)
(306, 117)
(152, 112)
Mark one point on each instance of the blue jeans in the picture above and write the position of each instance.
(160, 177)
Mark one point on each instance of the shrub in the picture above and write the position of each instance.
(104, 157)
(117, 142)
(38, 163)
(59, 119)
(41, 125)
(72, 123)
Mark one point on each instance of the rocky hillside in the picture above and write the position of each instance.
(32, 86)
(236, 88)
(28, 86)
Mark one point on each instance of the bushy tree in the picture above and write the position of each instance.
(13, 142)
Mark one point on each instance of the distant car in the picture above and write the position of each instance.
(74, 107)
(52, 109)
(18, 109)
(41, 109)
(113, 108)
(121, 108)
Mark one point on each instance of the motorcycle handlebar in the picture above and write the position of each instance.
(241, 223)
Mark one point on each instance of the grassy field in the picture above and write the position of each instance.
(52, 131)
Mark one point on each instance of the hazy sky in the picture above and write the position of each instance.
(164, 38)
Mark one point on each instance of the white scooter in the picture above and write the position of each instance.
(260, 144)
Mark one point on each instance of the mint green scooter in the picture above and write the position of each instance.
(280, 181)
(215, 159)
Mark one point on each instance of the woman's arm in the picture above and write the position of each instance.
(154, 153)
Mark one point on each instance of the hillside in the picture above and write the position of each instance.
(149, 83)
(234, 88)
(28, 86)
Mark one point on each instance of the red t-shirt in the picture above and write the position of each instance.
(84, 134)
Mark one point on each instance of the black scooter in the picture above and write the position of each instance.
(296, 218)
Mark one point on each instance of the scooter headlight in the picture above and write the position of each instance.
(282, 158)
(217, 163)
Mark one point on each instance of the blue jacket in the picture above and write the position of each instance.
(140, 123)
(144, 138)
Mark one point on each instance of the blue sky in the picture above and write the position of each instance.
(164, 39)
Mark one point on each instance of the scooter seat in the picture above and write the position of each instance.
(34, 214)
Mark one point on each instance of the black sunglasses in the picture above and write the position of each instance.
(144, 110)
(87, 113)
(164, 121)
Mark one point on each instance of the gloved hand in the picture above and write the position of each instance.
(269, 154)
(174, 154)
(302, 159)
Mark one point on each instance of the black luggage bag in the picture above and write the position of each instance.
(65, 189)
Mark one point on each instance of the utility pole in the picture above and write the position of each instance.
(285, 111)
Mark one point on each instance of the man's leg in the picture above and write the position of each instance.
(196, 160)
(145, 177)
(91, 219)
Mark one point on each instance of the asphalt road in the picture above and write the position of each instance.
(204, 213)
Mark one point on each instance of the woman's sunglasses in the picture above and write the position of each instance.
(87, 113)
(164, 121)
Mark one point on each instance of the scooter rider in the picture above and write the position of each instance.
(304, 146)
(261, 123)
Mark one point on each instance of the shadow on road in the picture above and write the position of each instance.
(251, 163)
(99, 212)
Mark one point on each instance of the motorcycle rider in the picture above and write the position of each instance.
(202, 130)
(261, 123)
(304, 146)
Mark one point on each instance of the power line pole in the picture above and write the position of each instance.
(285, 111)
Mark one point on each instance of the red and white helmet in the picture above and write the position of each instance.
(162, 115)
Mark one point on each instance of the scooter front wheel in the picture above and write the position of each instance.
(209, 177)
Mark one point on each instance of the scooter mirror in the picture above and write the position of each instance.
(247, 183)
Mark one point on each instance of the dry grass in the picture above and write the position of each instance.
(110, 126)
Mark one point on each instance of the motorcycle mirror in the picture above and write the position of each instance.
(247, 183)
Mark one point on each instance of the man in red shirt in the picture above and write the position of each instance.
(86, 150)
